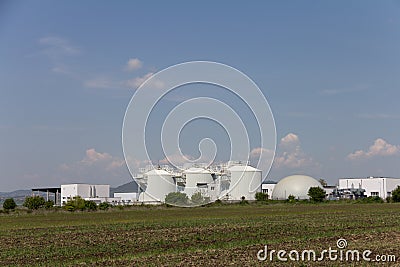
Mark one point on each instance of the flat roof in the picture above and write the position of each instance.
(47, 189)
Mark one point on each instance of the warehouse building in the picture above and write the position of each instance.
(374, 186)
(97, 193)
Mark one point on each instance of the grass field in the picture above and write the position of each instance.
(227, 235)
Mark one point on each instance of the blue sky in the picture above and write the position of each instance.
(330, 71)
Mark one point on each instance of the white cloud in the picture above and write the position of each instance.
(133, 64)
(378, 116)
(101, 83)
(137, 82)
(291, 155)
(58, 46)
(258, 151)
(379, 148)
(96, 167)
(290, 139)
(355, 89)
(176, 159)
(60, 69)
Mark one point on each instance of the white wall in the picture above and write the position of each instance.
(373, 186)
(267, 189)
(85, 191)
(127, 197)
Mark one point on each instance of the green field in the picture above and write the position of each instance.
(227, 235)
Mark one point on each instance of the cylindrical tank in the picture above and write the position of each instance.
(197, 180)
(245, 182)
(159, 184)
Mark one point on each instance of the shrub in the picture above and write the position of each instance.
(9, 204)
(261, 196)
(34, 203)
(291, 199)
(177, 198)
(49, 204)
(90, 205)
(316, 194)
(77, 203)
(396, 194)
(374, 199)
(198, 199)
(104, 206)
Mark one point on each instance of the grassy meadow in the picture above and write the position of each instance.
(225, 235)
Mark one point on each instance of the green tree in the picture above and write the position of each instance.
(76, 203)
(49, 204)
(396, 194)
(9, 204)
(316, 194)
(34, 203)
(197, 199)
(291, 199)
(177, 198)
(104, 206)
(90, 205)
(260, 196)
(322, 182)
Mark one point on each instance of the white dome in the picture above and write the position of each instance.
(295, 185)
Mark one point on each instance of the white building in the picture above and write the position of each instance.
(245, 182)
(374, 186)
(267, 187)
(126, 198)
(97, 193)
(157, 184)
(198, 179)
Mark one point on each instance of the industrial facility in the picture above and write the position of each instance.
(233, 181)
(230, 181)
(372, 186)
(96, 193)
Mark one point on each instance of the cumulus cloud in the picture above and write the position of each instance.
(133, 64)
(96, 167)
(136, 82)
(291, 155)
(176, 159)
(57, 46)
(109, 162)
(101, 83)
(288, 155)
(379, 148)
(290, 139)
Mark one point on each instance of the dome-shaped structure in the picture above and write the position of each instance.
(295, 185)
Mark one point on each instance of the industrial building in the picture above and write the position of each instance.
(373, 186)
(230, 181)
(267, 187)
(96, 193)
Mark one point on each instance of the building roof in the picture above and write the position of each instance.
(47, 189)
(131, 187)
(243, 168)
(269, 182)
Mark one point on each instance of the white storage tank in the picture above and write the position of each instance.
(245, 182)
(197, 180)
(159, 184)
